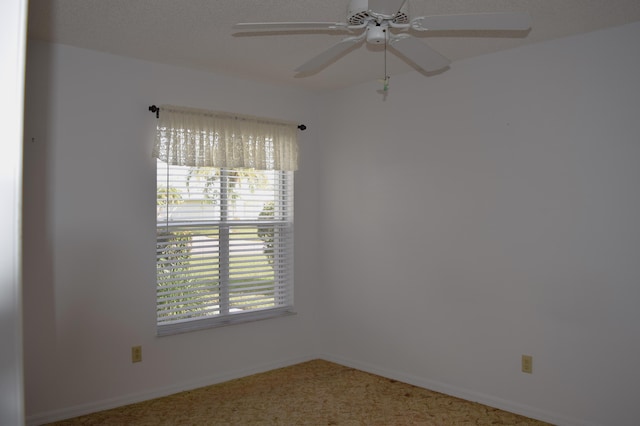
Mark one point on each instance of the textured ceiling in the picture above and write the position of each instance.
(198, 33)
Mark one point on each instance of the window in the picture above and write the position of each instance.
(224, 244)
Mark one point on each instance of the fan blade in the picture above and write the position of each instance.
(385, 7)
(419, 53)
(329, 55)
(271, 26)
(476, 21)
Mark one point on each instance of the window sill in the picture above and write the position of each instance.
(214, 322)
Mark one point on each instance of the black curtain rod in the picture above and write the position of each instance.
(155, 109)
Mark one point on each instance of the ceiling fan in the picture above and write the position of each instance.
(387, 22)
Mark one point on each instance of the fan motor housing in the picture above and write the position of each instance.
(358, 13)
(376, 34)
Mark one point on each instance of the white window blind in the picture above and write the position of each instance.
(224, 242)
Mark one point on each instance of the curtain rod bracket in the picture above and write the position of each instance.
(155, 109)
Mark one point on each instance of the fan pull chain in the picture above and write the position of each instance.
(385, 86)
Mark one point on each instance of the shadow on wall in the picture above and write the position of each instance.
(37, 245)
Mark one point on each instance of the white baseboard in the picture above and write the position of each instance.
(106, 404)
(465, 394)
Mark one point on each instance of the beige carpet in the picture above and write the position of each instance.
(312, 393)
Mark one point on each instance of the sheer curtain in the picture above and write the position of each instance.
(201, 138)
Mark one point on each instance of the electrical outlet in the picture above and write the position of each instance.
(527, 364)
(136, 354)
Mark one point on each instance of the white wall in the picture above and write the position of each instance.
(13, 20)
(89, 275)
(472, 217)
(489, 212)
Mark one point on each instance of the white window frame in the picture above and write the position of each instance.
(222, 314)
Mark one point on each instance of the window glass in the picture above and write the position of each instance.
(224, 246)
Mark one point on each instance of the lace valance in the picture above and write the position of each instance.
(201, 138)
